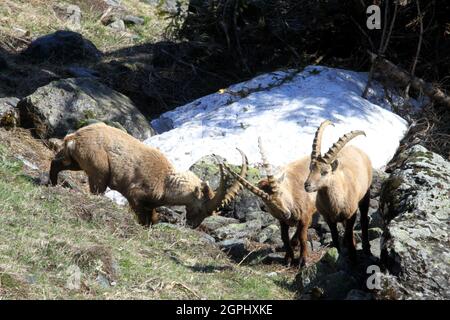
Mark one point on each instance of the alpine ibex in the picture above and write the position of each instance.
(142, 174)
(342, 179)
(286, 200)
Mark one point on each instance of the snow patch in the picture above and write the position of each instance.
(284, 108)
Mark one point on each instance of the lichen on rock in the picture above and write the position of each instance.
(415, 204)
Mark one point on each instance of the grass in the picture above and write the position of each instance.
(60, 244)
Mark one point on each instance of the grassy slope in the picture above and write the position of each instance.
(46, 233)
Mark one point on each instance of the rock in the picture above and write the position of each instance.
(65, 105)
(168, 215)
(69, 13)
(265, 218)
(133, 20)
(9, 102)
(212, 223)
(9, 115)
(378, 179)
(337, 285)
(207, 169)
(308, 277)
(240, 249)
(331, 257)
(62, 47)
(270, 234)
(207, 238)
(356, 294)
(375, 219)
(234, 248)
(169, 6)
(314, 245)
(103, 281)
(312, 234)
(3, 63)
(74, 277)
(245, 230)
(324, 278)
(374, 233)
(80, 72)
(415, 203)
(327, 239)
(117, 25)
(113, 3)
(275, 257)
(375, 247)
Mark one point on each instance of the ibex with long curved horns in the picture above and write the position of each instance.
(286, 200)
(342, 179)
(142, 174)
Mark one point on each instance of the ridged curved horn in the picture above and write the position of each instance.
(255, 190)
(223, 196)
(317, 142)
(337, 146)
(268, 168)
(234, 189)
(219, 194)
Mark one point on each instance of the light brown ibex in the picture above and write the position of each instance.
(342, 179)
(286, 200)
(142, 174)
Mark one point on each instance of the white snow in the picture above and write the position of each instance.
(284, 108)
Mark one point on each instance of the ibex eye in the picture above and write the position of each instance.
(324, 173)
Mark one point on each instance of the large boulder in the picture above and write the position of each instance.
(62, 47)
(65, 105)
(415, 204)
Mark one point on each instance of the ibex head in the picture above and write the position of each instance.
(268, 189)
(323, 168)
(206, 201)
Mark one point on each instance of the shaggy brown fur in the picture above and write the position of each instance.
(342, 179)
(142, 174)
(286, 200)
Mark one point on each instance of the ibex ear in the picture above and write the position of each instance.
(198, 192)
(206, 191)
(334, 165)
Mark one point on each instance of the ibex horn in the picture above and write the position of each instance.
(270, 178)
(337, 146)
(317, 142)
